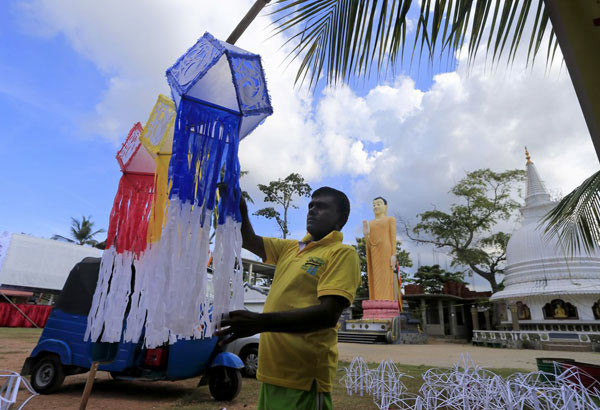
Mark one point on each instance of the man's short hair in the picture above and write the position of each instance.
(382, 198)
(341, 200)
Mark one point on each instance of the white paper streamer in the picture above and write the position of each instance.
(174, 276)
(227, 279)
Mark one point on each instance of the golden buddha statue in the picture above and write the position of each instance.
(380, 238)
(559, 311)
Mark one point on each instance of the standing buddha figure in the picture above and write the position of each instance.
(380, 238)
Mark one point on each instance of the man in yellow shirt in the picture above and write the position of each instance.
(315, 280)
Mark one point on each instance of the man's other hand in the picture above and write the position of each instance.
(241, 323)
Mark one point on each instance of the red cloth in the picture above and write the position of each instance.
(11, 317)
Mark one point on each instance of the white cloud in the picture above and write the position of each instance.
(481, 119)
(133, 43)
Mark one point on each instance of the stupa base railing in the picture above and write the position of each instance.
(542, 340)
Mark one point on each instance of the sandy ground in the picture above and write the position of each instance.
(107, 393)
(447, 354)
(110, 394)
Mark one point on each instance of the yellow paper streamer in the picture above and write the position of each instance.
(157, 138)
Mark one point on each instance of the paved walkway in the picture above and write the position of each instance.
(447, 354)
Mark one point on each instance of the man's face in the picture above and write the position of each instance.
(322, 217)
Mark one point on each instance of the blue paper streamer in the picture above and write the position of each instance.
(205, 141)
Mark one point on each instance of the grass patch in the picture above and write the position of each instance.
(20, 333)
(201, 399)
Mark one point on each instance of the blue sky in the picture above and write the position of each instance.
(54, 169)
(76, 75)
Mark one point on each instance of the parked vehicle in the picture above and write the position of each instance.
(61, 350)
(247, 350)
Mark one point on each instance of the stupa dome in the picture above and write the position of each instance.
(536, 263)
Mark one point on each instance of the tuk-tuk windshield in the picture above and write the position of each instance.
(78, 291)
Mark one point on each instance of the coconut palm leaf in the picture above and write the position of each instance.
(81, 232)
(576, 218)
(61, 238)
(343, 39)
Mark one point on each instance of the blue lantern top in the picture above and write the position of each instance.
(225, 76)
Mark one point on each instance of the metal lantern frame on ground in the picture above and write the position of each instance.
(467, 386)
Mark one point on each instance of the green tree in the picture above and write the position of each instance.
(81, 232)
(484, 199)
(245, 194)
(402, 257)
(282, 192)
(432, 278)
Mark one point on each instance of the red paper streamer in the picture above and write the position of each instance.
(128, 225)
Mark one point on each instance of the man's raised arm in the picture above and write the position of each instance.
(250, 240)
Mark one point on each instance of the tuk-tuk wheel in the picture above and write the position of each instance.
(47, 374)
(224, 383)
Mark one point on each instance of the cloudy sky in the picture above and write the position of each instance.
(75, 75)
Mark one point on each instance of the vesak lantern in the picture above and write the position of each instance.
(126, 239)
(157, 138)
(220, 96)
(216, 74)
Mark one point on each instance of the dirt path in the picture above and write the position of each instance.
(447, 354)
(107, 393)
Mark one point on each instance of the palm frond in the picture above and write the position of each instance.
(343, 39)
(58, 237)
(576, 218)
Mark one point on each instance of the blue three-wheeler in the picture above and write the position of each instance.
(61, 350)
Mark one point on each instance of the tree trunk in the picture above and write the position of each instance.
(577, 27)
(285, 230)
(489, 276)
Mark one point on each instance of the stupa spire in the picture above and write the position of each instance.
(536, 191)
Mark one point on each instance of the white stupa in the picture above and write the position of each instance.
(547, 288)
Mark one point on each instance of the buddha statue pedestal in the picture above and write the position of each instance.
(382, 322)
(380, 309)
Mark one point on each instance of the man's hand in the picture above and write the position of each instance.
(241, 323)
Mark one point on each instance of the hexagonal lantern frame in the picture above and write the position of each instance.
(215, 73)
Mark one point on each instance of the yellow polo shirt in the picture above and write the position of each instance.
(325, 267)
